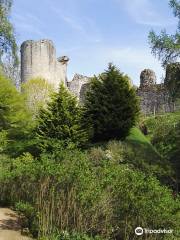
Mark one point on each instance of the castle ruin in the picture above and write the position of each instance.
(154, 98)
(38, 59)
(78, 86)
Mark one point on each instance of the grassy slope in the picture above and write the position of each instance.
(153, 123)
(142, 146)
(137, 135)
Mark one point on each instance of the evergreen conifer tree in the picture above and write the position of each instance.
(61, 121)
(111, 105)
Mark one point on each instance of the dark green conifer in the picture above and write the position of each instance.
(111, 105)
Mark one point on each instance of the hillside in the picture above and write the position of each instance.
(156, 123)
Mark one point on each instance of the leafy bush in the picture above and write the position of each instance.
(18, 178)
(95, 192)
(165, 136)
(71, 236)
(28, 216)
(3, 140)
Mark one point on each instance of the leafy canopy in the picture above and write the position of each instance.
(13, 113)
(8, 46)
(37, 92)
(16, 123)
(165, 46)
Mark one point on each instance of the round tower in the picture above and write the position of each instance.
(38, 59)
(147, 78)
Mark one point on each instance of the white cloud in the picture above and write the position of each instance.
(145, 13)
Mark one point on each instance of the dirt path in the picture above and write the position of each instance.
(10, 228)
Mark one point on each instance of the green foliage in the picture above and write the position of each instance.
(61, 120)
(37, 92)
(174, 154)
(172, 80)
(167, 47)
(15, 119)
(7, 38)
(13, 113)
(111, 105)
(71, 236)
(136, 135)
(70, 192)
(168, 145)
(20, 175)
(165, 136)
(138, 152)
(28, 216)
(104, 192)
(159, 128)
(3, 140)
(159, 123)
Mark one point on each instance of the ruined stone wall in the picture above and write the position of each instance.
(154, 98)
(38, 59)
(78, 86)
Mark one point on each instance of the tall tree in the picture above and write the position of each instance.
(8, 46)
(14, 116)
(111, 105)
(164, 46)
(60, 121)
(37, 93)
(16, 123)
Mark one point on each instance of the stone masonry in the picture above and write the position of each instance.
(154, 98)
(78, 86)
(38, 59)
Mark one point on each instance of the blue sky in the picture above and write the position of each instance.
(95, 32)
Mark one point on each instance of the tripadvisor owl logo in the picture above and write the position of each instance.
(139, 231)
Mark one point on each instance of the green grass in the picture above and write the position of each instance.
(142, 144)
(137, 135)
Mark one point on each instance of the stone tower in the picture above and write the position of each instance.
(38, 59)
(154, 98)
(147, 78)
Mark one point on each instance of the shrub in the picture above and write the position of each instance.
(28, 216)
(69, 191)
(71, 236)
